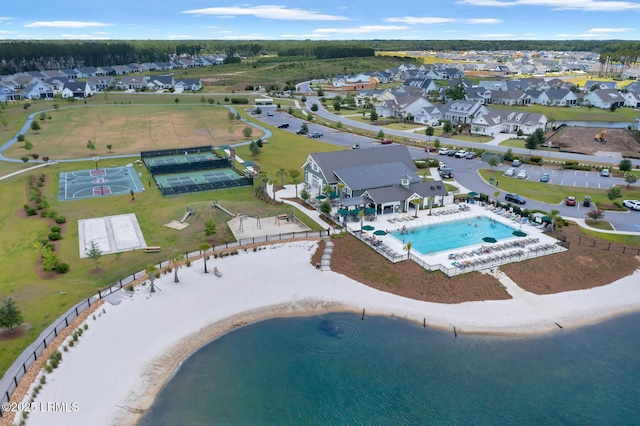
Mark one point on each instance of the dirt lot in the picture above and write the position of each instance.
(582, 140)
(581, 267)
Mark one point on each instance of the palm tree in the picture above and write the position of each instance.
(407, 247)
(282, 173)
(176, 258)
(554, 215)
(203, 247)
(327, 189)
(151, 273)
(341, 186)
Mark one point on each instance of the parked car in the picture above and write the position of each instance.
(523, 174)
(451, 152)
(302, 132)
(605, 172)
(355, 146)
(315, 135)
(587, 201)
(544, 177)
(443, 151)
(516, 163)
(431, 149)
(283, 126)
(442, 166)
(510, 172)
(270, 113)
(386, 141)
(446, 173)
(470, 155)
(632, 204)
(515, 198)
(571, 201)
(460, 154)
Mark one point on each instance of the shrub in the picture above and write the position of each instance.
(47, 368)
(130, 288)
(54, 236)
(188, 263)
(536, 159)
(239, 101)
(86, 326)
(30, 211)
(56, 229)
(62, 268)
(60, 219)
(71, 343)
(43, 380)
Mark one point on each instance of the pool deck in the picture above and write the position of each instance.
(463, 259)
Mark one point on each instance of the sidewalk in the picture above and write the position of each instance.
(289, 191)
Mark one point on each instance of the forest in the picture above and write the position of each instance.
(18, 56)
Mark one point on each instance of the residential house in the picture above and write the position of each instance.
(561, 97)
(131, 83)
(633, 87)
(427, 85)
(193, 84)
(503, 121)
(510, 97)
(77, 90)
(631, 73)
(8, 94)
(604, 98)
(462, 111)
(157, 82)
(610, 85)
(37, 89)
(100, 83)
(121, 69)
(381, 178)
(87, 72)
(429, 116)
(631, 99)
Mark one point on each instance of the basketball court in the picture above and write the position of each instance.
(98, 183)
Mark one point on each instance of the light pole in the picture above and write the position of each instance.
(96, 158)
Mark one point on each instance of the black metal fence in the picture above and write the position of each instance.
(176, 151)
(608, 246)
(189, 166)
(19, 368)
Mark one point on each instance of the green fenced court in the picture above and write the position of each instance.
(200, 180)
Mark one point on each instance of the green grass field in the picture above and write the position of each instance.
(574, 114)
(41, 300)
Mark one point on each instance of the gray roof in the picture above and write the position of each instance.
(334, 160)
(374, 175)
(395, 193)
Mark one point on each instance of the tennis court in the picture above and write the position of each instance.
(98, 183)
(179, 159)
(201, 180)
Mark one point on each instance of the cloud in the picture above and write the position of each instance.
(610, 30)
(362, 29)
(584, 5)
(66, 24)
(83, 37)
(431, 20)
(179, 37)
(267, 12)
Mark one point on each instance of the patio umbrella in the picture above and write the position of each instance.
(519, 233)
(320, 197)
(489, 240)
(343, 212)
(334, 195)
(473, 194)
(368, 228)
(379, 232)
(545, 219)
(369, 210)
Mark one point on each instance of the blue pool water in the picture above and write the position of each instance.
(337, 369)
(454, 234)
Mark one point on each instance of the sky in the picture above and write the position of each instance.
(321, 20)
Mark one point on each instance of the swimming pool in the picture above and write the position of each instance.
(452, 235)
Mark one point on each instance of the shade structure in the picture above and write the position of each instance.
(320, 197)
(519, 233)
(368, 228)
(369, 210)
(473, 194)
(379, 232)
(546, 219)
(343, 212)
(489, 240)
(354, 211)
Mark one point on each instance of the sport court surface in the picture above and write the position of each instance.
(98, 182)
(215, 177)
(112, 234)
(179, 159)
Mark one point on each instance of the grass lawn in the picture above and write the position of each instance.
(552, 194)
(41, 300)
(402, 126)
(130, 129)
(481, 139)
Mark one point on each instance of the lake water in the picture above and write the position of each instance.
(337, 369)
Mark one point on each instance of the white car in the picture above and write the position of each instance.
(510, 172)
(605, 173)
(632, 204)
(461, 153)
(443, 151)
(523, 174)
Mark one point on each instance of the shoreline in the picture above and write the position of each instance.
(155, 333)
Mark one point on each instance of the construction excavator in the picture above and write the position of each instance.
(601, 137)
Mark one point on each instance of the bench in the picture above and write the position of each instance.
(152, 249)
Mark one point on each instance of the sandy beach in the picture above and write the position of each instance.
(135, 342)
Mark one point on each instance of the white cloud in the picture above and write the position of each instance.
(179, 37)
(362, 29)
(431, 20)
(610, 30)
(498, 35)
(66, 24)
(267, 12)
(584, 5)
(5, 18)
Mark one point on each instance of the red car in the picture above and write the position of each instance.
(431, 149)
(571, 201)
(386, 141)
